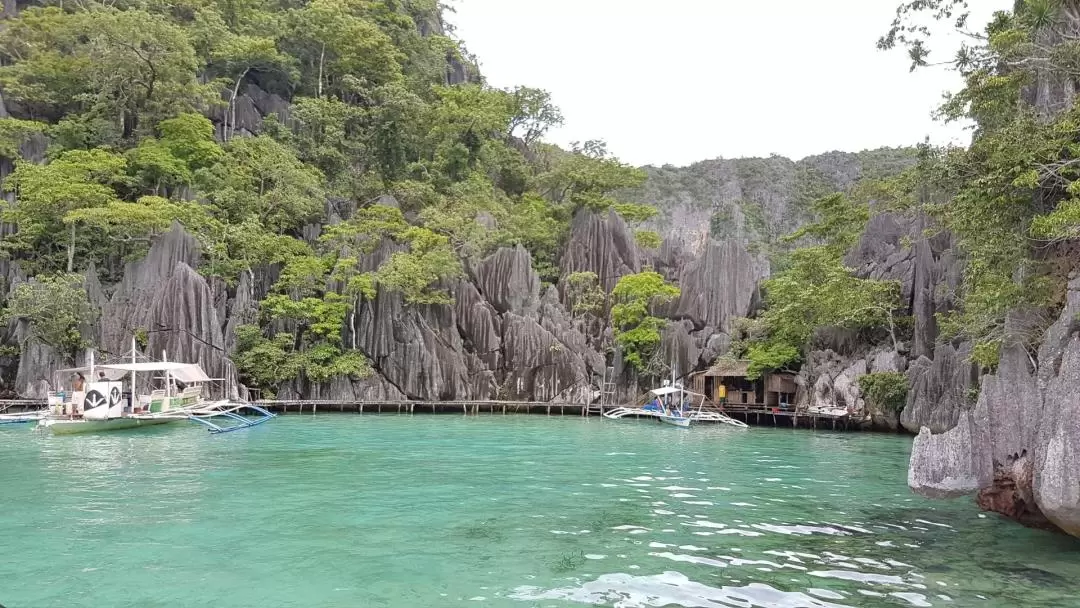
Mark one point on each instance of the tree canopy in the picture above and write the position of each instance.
(1010, 199)
(334, 140)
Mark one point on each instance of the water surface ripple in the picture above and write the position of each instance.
(339, 510)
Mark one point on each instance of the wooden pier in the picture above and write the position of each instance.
(467, 408)
(757, 416)
(773, 416)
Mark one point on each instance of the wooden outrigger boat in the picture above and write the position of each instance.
(672, 404)
(107, 403)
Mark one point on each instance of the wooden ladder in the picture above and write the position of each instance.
(607, 392)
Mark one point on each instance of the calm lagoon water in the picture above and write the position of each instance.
(359, 511)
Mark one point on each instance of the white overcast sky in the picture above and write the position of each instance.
(679, 81)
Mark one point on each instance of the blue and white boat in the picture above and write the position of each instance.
(672, 404)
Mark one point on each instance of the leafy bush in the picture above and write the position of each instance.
(886, 390)
(768, 357)
(635, 330)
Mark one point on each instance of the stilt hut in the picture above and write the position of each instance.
(726, 382)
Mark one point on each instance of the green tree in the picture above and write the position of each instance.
(76, 179)
(840, 222)
(261, 179)
(532, 113)
(818, 291)
(1008, 199)
(585, 294)
(14, 133)
(636, 330)
(120, 66)
(57, 310)
(240, 55)
(417, 272)
(587, 177)
(345, 52)
(186, 145)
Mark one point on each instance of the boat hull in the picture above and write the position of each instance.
(71, 427)
(678, 421)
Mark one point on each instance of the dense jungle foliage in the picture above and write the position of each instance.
(127, 116)
(1011, 200)
(138, 102)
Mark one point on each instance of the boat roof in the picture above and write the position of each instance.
(667, 390)
(184, 372)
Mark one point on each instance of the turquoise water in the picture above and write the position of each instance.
(358, 511)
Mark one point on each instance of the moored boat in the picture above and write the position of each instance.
(676, 420)
(22, 418)
(112, 401)
(672, 404)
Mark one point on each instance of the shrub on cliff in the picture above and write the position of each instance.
(885, 390)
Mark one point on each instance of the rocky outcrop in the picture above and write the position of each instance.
(570, 332)
(539, 366)
(183, 323)
(831, 380)
(506, 279)
(128, 311)
(940, 389)
(1019, 446)
(680, 348)
(881, 253)
(893, 248)
(37, 363)
(1056, 479)
(479, 324)
(717, 287)
(415, 348)
(602, 244)
(753, 200)
(499, 338)
(948, 465)
(243, 309)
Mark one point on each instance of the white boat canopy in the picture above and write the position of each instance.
(667, 390)
(184, 372)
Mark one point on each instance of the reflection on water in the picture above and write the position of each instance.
(499, 511)
(670, 589)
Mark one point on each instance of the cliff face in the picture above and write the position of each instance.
(1018, 448)
(754, 200)
(503, 337)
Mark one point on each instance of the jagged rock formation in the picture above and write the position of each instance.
(939, 389)
(500, 338)
(508, 282)
(602, 244)
(1019, 446)
(163, 297)
(923, 261)
(945, 466)
(718, 287)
